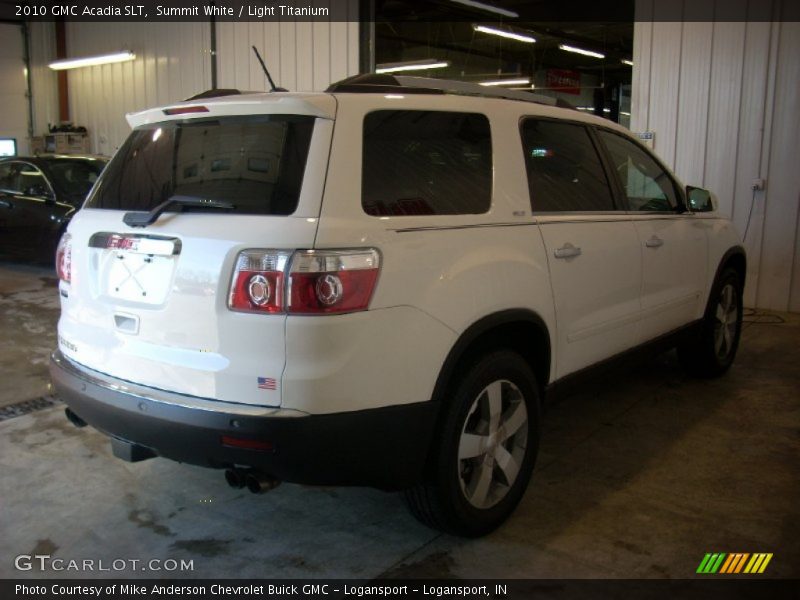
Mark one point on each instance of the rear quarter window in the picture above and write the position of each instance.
(426, 163)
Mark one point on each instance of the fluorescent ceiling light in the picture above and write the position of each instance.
(581, 51)
(521, 81)
(627, 62)
(88, 61)
(488, 8)
(503, 33)
(416, 65)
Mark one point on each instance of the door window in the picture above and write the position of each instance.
(564, 168)
(647, 186)
(32, 182)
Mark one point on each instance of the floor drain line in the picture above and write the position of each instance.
(27, 406)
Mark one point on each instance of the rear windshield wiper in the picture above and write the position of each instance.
(143, 219)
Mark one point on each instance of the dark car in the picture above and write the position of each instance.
(38, 196)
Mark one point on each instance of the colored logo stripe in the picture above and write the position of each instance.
(711, 562)
(758, 563)
(720, 562)
(734, 563)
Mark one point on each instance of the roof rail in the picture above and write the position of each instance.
(382, 83)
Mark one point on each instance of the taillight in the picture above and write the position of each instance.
(64, 258)
(258, 281)
(185, 110)
(332, 281)
(305, 282)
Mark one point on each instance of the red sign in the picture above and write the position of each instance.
(563, 80)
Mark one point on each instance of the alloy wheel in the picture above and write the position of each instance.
(492, 444)
(726, 320)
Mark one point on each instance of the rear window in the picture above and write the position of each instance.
(256, 163)
(426, 163)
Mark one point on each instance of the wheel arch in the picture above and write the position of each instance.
(734, 258)
(521, 330)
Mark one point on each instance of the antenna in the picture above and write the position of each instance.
(269, 78)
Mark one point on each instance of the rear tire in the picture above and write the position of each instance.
(485, 449)
(711, 352)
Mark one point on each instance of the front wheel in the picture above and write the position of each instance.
(711, 352)
(486, 448)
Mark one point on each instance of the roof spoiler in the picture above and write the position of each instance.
(216, 93)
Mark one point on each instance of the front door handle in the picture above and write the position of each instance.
(567, 251)
(654, 242)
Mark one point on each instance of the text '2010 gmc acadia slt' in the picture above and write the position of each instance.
(378, 285)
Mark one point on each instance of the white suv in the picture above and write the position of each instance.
(378, 285)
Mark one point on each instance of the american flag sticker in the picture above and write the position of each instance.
(267, 383)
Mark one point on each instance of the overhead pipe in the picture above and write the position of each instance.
(26, 35)
(63, 90)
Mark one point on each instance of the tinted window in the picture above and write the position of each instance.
(426, 163)
(257, 163)
(647, 185)
(564, 169)
(9, 177)
(75, 177)
(32, 181)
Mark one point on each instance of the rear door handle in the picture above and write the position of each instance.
(567, 251)
(654, 242)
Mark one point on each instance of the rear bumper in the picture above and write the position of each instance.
(383, 447)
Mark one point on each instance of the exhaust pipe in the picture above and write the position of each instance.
(236, 478)
(74, 419)
(259, 483)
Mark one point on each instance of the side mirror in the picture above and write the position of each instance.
(700, 200)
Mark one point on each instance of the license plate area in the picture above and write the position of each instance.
(134, 269)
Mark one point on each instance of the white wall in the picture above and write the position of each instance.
(300, 56)
(723, 99)
(13, 92)
(173, 62)
(44, 81)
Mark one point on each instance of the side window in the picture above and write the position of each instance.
(564, 168)
(9, 177)
(426, 163)
(32, 181)
(646, 184)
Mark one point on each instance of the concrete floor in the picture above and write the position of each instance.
(639, 476)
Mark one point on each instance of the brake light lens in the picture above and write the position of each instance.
(185, 110)
(64, 258)
(258, 281)
(332, 281)
(305, 282)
